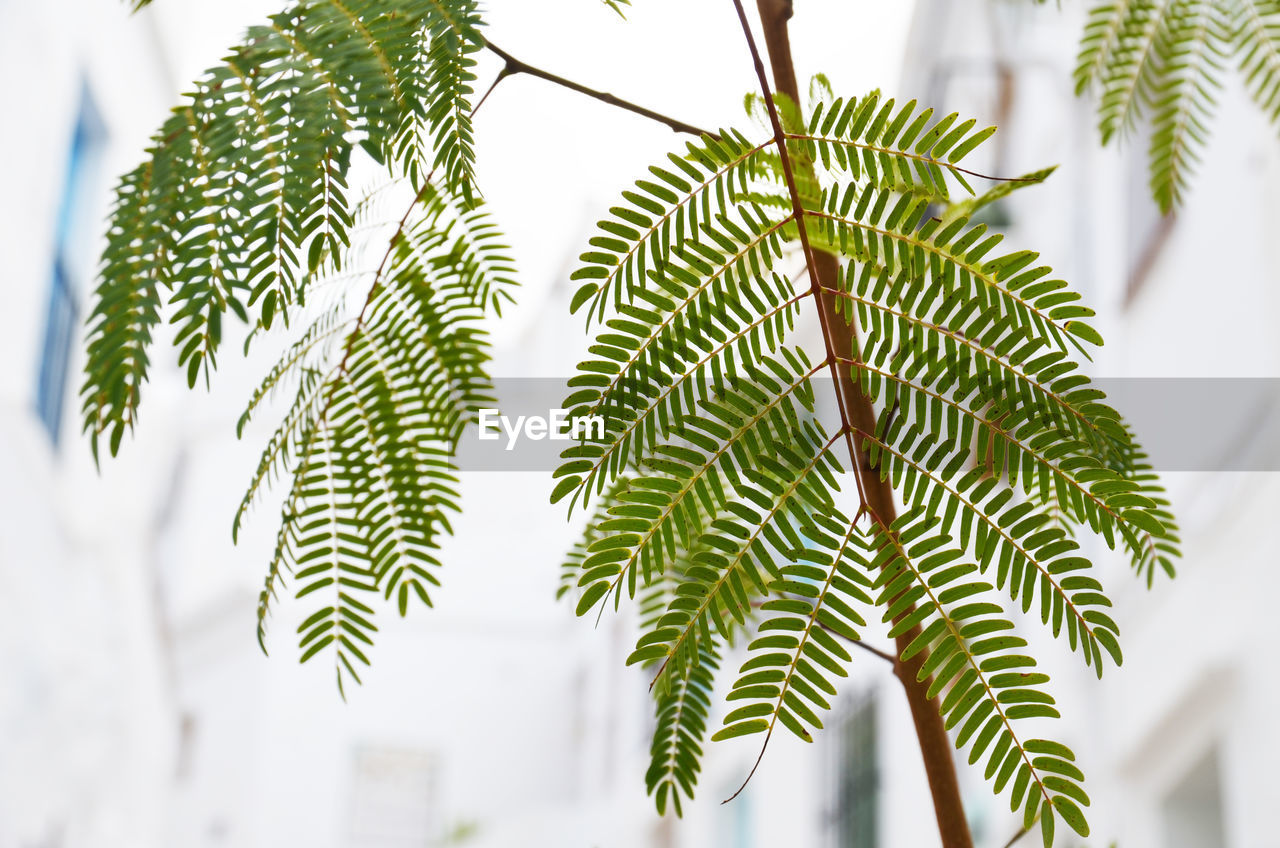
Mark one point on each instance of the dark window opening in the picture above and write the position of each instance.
(70, 267)
(857, 801)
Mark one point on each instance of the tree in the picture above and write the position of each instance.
(967, 452)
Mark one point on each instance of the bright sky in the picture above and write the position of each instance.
(551, 160)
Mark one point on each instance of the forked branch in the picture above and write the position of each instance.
(517, 66)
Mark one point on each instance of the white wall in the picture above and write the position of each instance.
(84, 708)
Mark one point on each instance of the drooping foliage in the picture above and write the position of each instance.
(380, 400)
(244, 188)
(242, 209)
(1164, 61)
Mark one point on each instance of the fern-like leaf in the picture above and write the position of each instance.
(718, 490)
(984, 684)
(381, 402)
(816, 601)
(1164, 59)
(1192, 33)
(1256, 33)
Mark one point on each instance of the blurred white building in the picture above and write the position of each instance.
(138, 711)
(86, 739)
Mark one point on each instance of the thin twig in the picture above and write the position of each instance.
(928, 160)
(1014, 840)
(752, 773)
(798, 213)
(872, 649)
(518, 66)
(502, 74)
(341, 370)
(884, 655)
(377, 275)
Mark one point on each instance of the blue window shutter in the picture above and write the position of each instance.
(62, 313)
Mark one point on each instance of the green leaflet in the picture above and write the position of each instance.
(242, 205)
(788, 678)
(682, 719)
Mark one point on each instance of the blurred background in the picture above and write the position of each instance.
(136, 708)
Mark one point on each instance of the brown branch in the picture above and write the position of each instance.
(797, 214)
(518, 66)
(858, 413)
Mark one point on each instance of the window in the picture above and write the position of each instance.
(71, 266)
(393, 799)
(857, 779)
(59, 326)
(1192, 811)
